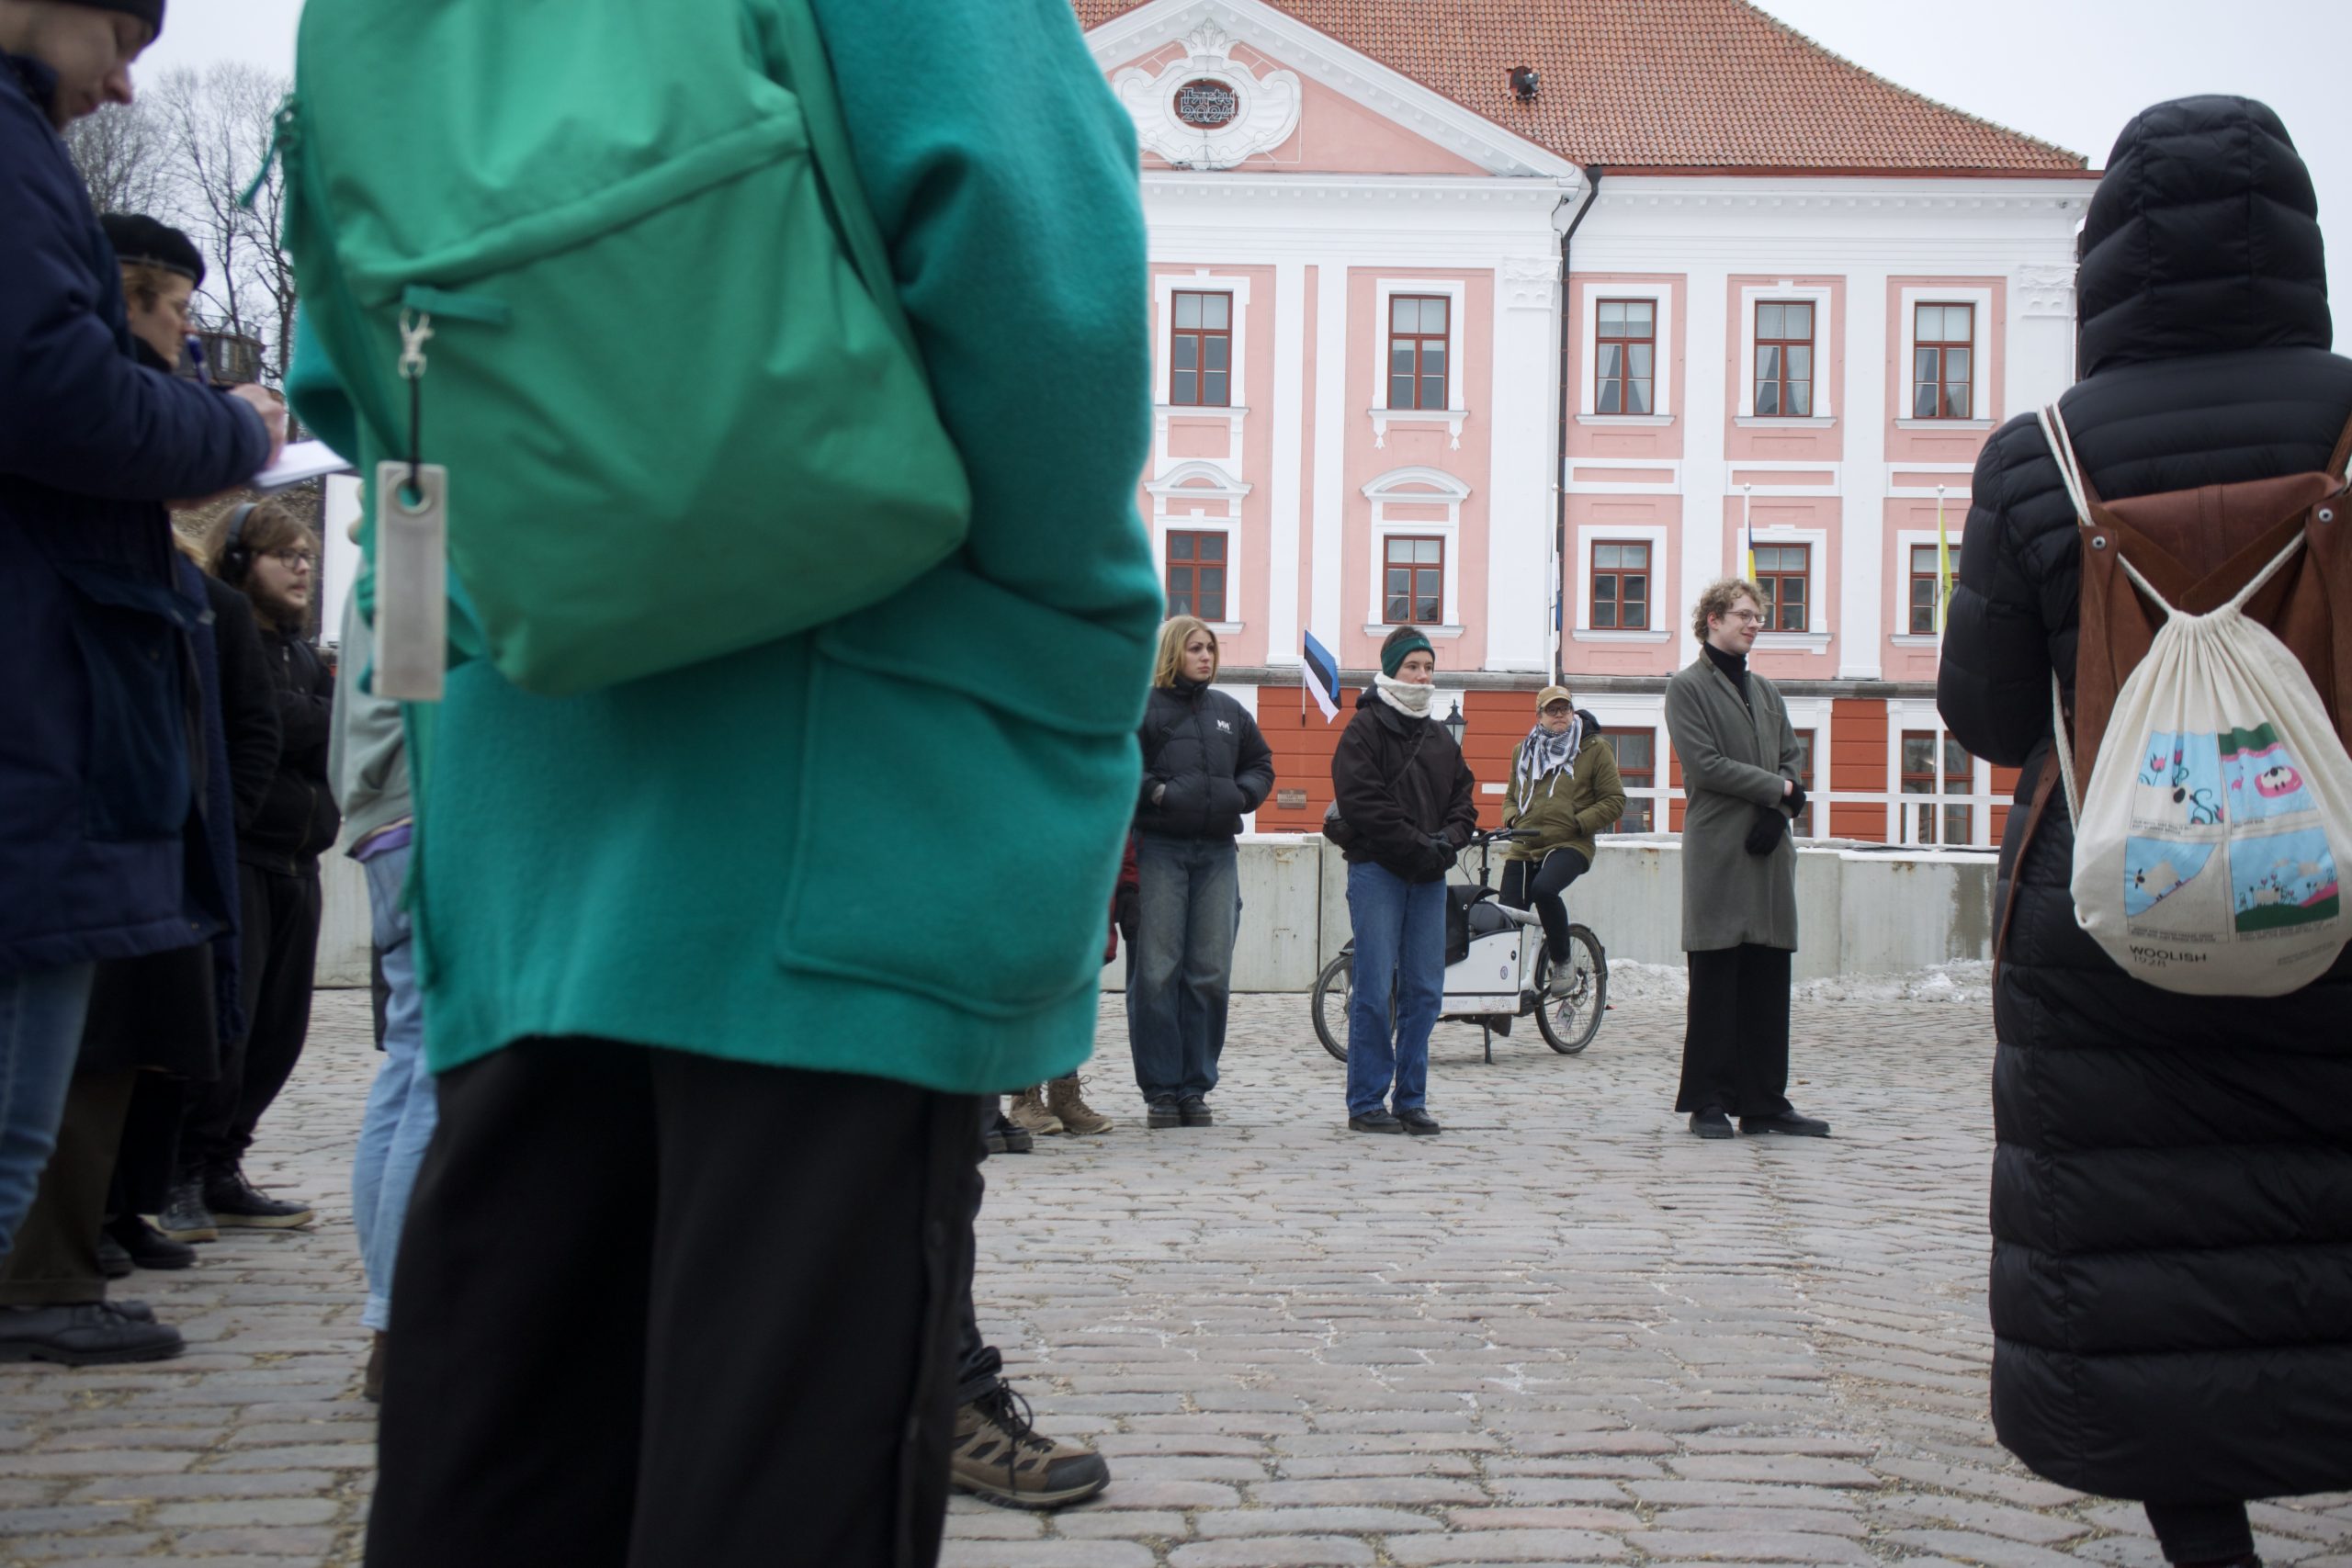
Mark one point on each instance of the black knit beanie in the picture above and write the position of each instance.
(148, 11)
(143, 240)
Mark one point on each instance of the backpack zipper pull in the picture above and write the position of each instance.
(283, 134)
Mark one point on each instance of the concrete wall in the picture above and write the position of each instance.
(1861, 909)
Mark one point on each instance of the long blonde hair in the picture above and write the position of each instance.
(1174, 633)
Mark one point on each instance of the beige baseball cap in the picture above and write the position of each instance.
(1550, 695)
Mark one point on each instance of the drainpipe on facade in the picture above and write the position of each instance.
(1592, 173)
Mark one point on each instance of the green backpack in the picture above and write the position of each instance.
(680, 407)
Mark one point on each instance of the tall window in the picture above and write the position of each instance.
(1417, 351)
(1938, 819)
(1802, 823)
(1780, 571)
(1637, 767)
(1200, 350)
(1416, 582)
(1924, 588)
(1943, 345)
(1196, 574)
(1621, 588)
(1784, 358)
(1626, 363)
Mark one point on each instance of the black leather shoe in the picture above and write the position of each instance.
(1004, 1136)
(1787, 1122)
(238, 1203)
(1194, 1111)
(184, 1217)
(1710, 1124)
(1420, 1124)
(1374, 1121)
(1163, 1113)
(113, 1261)
(86, 1334)
(148, 1247)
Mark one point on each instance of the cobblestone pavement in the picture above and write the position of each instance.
(1564, 1332)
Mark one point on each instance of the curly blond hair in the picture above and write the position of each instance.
(1718, 599)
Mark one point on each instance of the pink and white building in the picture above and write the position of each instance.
(1502, 317)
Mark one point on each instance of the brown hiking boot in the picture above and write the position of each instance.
(1002, 1459)
(371, 1381)
(1029, 1113)
(1063, 1100)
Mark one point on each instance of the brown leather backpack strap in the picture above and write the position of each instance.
(2043, 790)
(2338, 459)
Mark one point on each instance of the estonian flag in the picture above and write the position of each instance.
(1322, 678)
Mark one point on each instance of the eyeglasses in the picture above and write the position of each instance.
(294, 560)
(1745, 618)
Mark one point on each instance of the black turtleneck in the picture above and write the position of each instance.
(1735, 665)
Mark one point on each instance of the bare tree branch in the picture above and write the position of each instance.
(122, 156)
(219, 125)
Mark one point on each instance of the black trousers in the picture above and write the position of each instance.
(656, 1310)
(278, 958)
(2201, 1533)
(1552, 876)
(978, 1364)
(149, 1154)
(56, 1259)
(1735, 1043)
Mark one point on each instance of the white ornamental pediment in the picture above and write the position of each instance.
(1207, 110)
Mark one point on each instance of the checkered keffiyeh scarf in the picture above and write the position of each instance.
(1542, 753)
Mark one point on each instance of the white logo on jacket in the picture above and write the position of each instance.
(1225, 725)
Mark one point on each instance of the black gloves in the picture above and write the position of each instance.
(1796, 801)
(1443, 849)
(1772, 822)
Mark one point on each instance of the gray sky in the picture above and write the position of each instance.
(2068, 71)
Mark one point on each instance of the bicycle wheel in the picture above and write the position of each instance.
(1569, 1020)
(1331, 1004)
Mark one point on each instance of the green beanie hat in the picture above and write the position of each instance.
(1396, 649)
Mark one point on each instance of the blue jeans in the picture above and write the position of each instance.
(400, 1108)
(40, 1034)
(1400, 941)
(1188, 910)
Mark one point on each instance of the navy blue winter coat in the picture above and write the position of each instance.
(100, 707)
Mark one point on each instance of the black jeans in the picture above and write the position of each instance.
(277, 955)
(2201, 1533)
(978, 1364)
(1735, 1046)
(1552, 876)
(658, 1310)
(56, 1259)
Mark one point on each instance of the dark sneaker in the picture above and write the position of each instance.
(1710, 1124)
(113, 1261)
(148, 1247)
(184, 1217)
(1162, 1113)
(371, 1381)
(87, 1333)
(1374, 1121)
(999, 1456)
(1194, 1111)
(238, 1203)
(1787, 1122)
(1420, 1124)
(1005, 1136)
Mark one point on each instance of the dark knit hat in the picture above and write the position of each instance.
(148, 11)
(1402, 643)
(150, 243)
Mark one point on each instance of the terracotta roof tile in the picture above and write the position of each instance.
(1664, 84)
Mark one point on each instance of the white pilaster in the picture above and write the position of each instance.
(1861, 588)
(1284, 493)
(1331, 446)
(2041, 359)
(1520, 410)
(1704, 424)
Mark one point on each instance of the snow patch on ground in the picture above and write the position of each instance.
(1968, 982)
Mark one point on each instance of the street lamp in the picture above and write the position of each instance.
(1454, 722)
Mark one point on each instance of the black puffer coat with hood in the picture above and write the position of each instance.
(2172, 1194)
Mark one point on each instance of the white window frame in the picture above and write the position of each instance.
(1661, 296)
(1457, 291)
(1917, 714)
(1810, 715)
(1225, 491)
(1165, 286)
(1980, 399)
(1816, 582)
(1590, 533)
(1384, 491)
(1825, 353)
(1906, 541)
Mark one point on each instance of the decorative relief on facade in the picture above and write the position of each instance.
(1527, 282)
(1208, 110)
(2046, 291)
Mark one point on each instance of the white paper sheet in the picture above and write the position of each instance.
(300, 460)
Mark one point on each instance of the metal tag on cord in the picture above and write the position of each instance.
(412, 581)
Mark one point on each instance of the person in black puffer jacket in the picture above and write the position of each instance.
(2172, 1194)
(1205, 768)
(272, 557)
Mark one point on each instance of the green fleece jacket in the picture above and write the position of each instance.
(700, 859)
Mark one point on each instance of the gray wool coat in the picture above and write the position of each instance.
(1734, 756)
